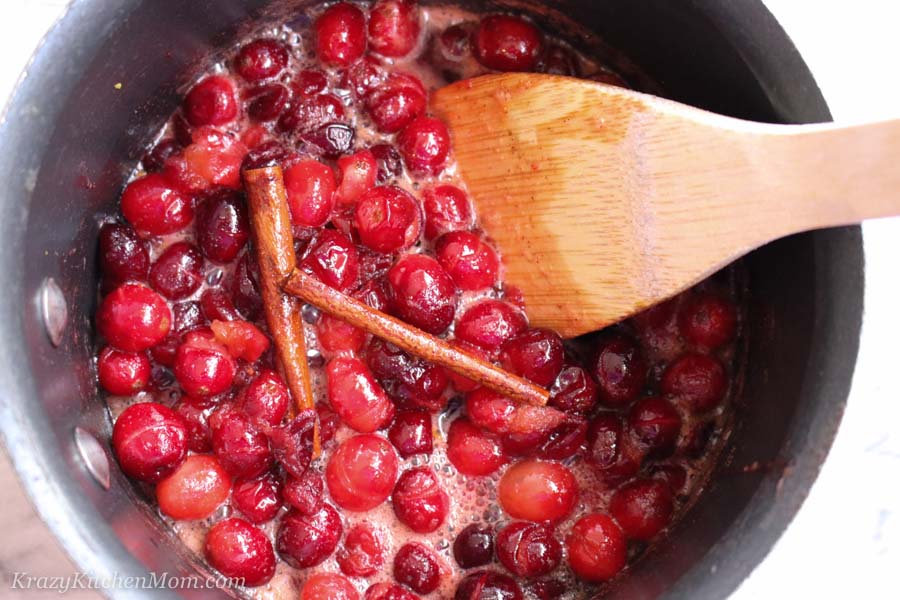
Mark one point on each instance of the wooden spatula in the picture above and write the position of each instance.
(605, 201)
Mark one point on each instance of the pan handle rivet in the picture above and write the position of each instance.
(54, 312)
(94, 456)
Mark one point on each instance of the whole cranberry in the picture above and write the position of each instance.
(474, 546)
(362, 472)
(236, 548)
(261, 59)
(574, 391)
(620, 370)
(355, 395)
(178, 272)
(472, 451)
(471, 262)
(490, 323)
(530, 427)
(123, 255)
(388, 219)
(122, 373)
(337, 336)
(394, 27)
(673, 476)
(421, 293)
(154, 207)
(305, 541)
(425, 145)
(536, 354)
(203, 366)
(310, 189)
(656, 423)
(212, 101)
(133, 318)
(447, 208)
(357, 176)
(420, 385)
(416, 566)
(150, 441)
(490, 410)
(708, 320)
(241, 448)
(258, 499)
(419, 501)
(642, 508)
(454, 42)
(194, 490)
(528, 549)
(328, 586)
(696, 379)
(386, 360)
(193, 411)
(266, 398)
(333, 259)
(507, 43)
(304, 493)
(396, 102)
(536, 490)
(389, 591)
(488, 585)
(411, 433)
(267, 103)
(596, 547)
(340, 34)
(213, 159)
(310, 113)
(222, 226)
(363, 552)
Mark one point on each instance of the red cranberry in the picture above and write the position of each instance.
(536, 490)
(245, 287)
(411, 382)
(390, 164)
(708, 320)
(530, 427)
(672, 475)
(309, 81)
(266, 398)
(620, 370)
(340, 34)
(211, 102)
(241, 448)
(386, 360)
(267, 154)
(187, 317)
(122, 373)
(356, 396)
(548, 589)
(154, 207)
(394, 27)
(133, 318)
(396, 102)
(258, 499)
(292, 443)
(447, 208)
(536, 354)
(490, 410)
(411, 433)
(194, 414)
(697, 379)
(559, 60)
(487, 585)
(267, 102)
(304, 493)
(328, 586)
(155, 160)
(261, 59)
(150, 441)
(216, 305)
(424, 145)
(333, 259)
(419, 501)
(203, 366)
(362, 554)
(597, 548)
(123, 255)
(213, 159)
(421, 293)
(310, 190)
(474, 546)
(373, 294)
(642, 508)
(656, 423)
(357, 176)
(305, 541)
(472, 451)
(507, 43)
(574, 391)
(194, 490)
(566, 440)
(454, 42)
(222, 226)
(416, 566)
(389, 591)
(528, 549)
(604, 438)
(236, 548)
(489, 324)
(330, 140)
(178, 272)
(309, 113)
(363, 76)
(469, 260)
(362, 472)
(337, 336)
(388, 219)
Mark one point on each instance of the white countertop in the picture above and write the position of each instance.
(845, 542)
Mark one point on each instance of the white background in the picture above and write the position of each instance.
(845, 543)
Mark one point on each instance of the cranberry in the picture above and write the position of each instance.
(461, 382)
(261, 59)
(697, 379)
(329, 421)
(388, 219)
(150, 441)
(620, 370)
(536, 490)
(194, 490)
(363, 76)
(258, 499)
(389, 591)
(340, 34)
(187, 317)
(411, 433)
(362, 472)
(357, 176)
(267, 102)
(487, 585)
(211, 102)
(566, 440)
(333, 259)
(328, 586)
(362, 554)
(447, 208)
(559, 60)
(642, 508)
(155, 160)
(708, 320)
(530, 427)
(611, 450)
(412, 382)
(153, 207)
(474, 546)
(390, 163)
(292, 443)
(236, 548)
(178, 272)
(241, 448)
(133, 318)
(394, 27)
(469, 260)
(419, 501)
(528, 549)
(424, 145)
(203, 366)
(396, 102)
(305, 541)
(489, 410)
(656, 423)
(454, 42)
(373, 294)
(309, 113)
(310, 190)
(304, 493)
(194, 414)
(267, 154)
(507, 43)
(266, 398)
(421, 293)
(122, 373)
(356, 396)
(123, 255)
(336, 336)
(245, 287)
(222, 226)
(548, 589)
(472, 451)
(536, 354)
(573, 391)
(597, 548)
(489, 324)
(672, 475)
(216, 305)
(416, 567)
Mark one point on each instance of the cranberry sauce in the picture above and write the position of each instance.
(428, 485)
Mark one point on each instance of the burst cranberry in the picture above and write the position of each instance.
(187, 317)
(292, 443)
(489, 410)
(211, 102)
(357, 176)
(258, 499)
(388, 219)
(362, 554)
(421, 293)
(123, 255)
(245, 287)
(309, 113)
(394, 27)
(155, 160)
(203, 366)
(573, 391)
(222, 226)
(373, 294)
(178, 272)
(447, 208)
(236, 548)
(193, 412)
(355, 395)
(396, 102)
(305, 541)
(708, 320)
(267, 102)
(390, 163)
(122, 373)
(611, 450)
(528, 549)
(507, 43)
(472, 451)
(656, 423)
(566, 439)
(696, 379)
(241, 448)
(194, 490)
(389, 591)
(338, 336)
(597, 548)
(469, 260)
(266, 398)
(261, 59)
(333, 258)
(619, 369)
(216, 305)
(310, 190)
(474, 546)
(363, 76)
(489, 324)
(419, 501)
(329, 421)
(487, 585)
(536, 490)
(150, 441)
(133, 318)
(362, 472)
(421, 385)
(153, 207)
(242, 339)
(530, 427)
(213, 159)
(536, 354)
(304, 493)
(424, 145)
(340, 35)
(416, 566)
(328, 586)
(642, 508)
(411, 433)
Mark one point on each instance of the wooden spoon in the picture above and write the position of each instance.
(605, 201)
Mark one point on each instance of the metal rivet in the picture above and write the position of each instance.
(54, 311)
(310, 314)
(93, 455)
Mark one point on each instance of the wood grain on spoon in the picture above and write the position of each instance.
(605, 201)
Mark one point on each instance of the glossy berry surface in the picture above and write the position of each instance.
(528, 549)
(222, 226)
(419, 501)
(421, 293)
(356, 397)
(536, 354)
(490, 323)
(411, 433)
(203, 366)
(178, 272)
(261, 59)
(237, 549)
(266, 398)
(387, 219)
(333, 259)
(328, 586)
(259, 499)
(574, 391)
(240, 447)
(696, 379)
(708, 320)
(363, 552)
(488, 585)
(122, 373)
(340, 34)
(447, 208)
(596, 548)
(304, 493)
(362, 472)
(472, 451)
(474, 546)
(211, 102)
(194, 490)
(642, 508)
(620, 369)
(394, 27)
(536, 490)
(469, 260)
(133, 318)
(396, 102)
(425, 145)
(150, 441)
(416, 567)
(310, 187)
(656, 423)
(123, 254)
(305, 541)
(507, 43)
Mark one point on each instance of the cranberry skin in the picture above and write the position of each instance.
(469, 260)
(574, 391)
(150, 441)
(388, 219)
(535, 490)
(363, 76)
(424, 145)
(358, 172)
(447, 208)
(455, 42)
(245, 287)
(211, 102)
(488, 585)
(333, 259)
(328, 586)
(194, 490)
(536, 354)
(309, 113)
(123, 255)
(122, 373)
(389, 591)
(222, 226)
(548, 589)
(216, 305)
(305, 541)
(416, 567)
(619, 369)
(411, 433)
(507, 43)
(241, 448)
(696, 379)
(267, 102)
(472, 451)
(292, 443)
(266, 398)
(356, 397)
(642, 508)
(154, 207)
(362, 472)
(261, 59)
(656, 423)
(310, 189)
(337, 336)
(419, 501)
(304, 493)
(390, 163)
(155, 160)
(490, 410)
(474, 546)
(178, 272)
(203, 366)
(258, 499)
(708, 321)
(672, 475)
(340, 35)
(194, 414)
(421, 293)
(604, 439)
(362, 554)
(396, 102)
(394, 27)
(528, 549)
(133, 318)
(236, 548)
(530, 427)
(596, 548)
(489, 324)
